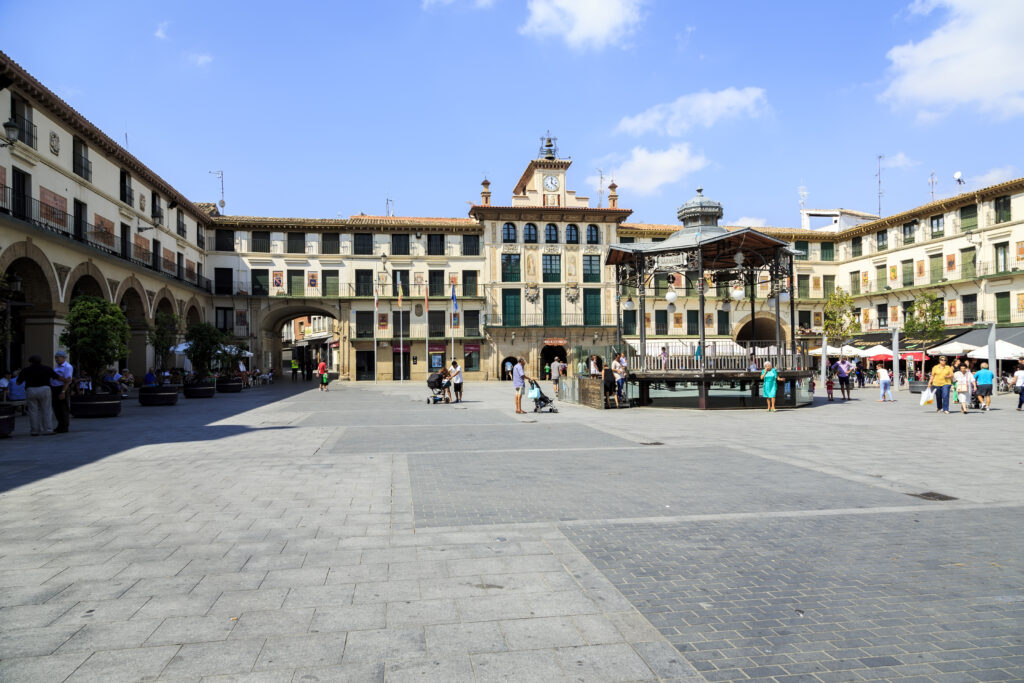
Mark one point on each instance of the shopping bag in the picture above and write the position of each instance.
(534, 392)
(927, 397)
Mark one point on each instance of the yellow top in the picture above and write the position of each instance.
(941, 375)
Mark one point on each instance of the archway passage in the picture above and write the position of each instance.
(308, 339)
(135, 313)
(549, 354)
(32, 317)
(506, 367)
(192, 317)
(760, 331)
(86, 285)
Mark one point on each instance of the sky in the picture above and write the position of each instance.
(333, 108)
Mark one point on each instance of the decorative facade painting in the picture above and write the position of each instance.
(382, 321)
(677, 319)
(647, 319)
(951, 308)
(817, 282)
(817, 318)
(893, 274)
(1020, 303)
(950, 261)
(241, 318)
(313, 279)
(864, 283)
(455, 319)
(709, 320)
(278, 279)
(894, 314)
(920, 268)
(1020, 252)
(865, 316)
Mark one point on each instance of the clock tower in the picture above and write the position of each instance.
(543, 181)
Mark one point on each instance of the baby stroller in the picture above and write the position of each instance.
(437, 385)
(540, 401)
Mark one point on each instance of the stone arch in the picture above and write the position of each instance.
(164, 296)
(79, 274)
(193, 312)
(132, 283)
(275, 316)
(30, 251)
(133, 303)
(763, 329)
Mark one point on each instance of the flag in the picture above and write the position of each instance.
(455, 302)
(399, 278)
(376, 305)
(426, 299)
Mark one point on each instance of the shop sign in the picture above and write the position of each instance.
(555, 341)
(470, 348)
(437, 347)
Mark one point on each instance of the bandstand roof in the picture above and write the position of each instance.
(718, 246)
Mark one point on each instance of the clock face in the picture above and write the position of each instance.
(550, 183)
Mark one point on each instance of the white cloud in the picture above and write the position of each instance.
(702, 108)
(161, 30)
(749, 222)
(584, 23)
(899, 160)
(427, 4)
(200, 59)
(976, 58)
(993, 176)
(645, 171)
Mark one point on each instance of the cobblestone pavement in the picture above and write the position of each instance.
(360, 535)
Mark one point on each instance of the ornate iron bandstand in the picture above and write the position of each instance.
(710, 255)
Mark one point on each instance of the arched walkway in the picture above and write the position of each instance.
(33, 327)
(760, 330)
(86, 280)
(138, 349)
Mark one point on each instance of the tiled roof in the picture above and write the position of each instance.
(208, 208)
(412, 221)
(351, 223)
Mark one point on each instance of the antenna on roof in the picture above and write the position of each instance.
(880, 157)
(220, 174)
(600, 187)
(389, 207)
(802, 191)
(932, 182)
(959, 178)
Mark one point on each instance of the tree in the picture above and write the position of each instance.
(925, 320)
(840, 322)
(204, 342)
(96, 335)
(163, 336)
(230, 356)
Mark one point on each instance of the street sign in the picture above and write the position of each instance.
(671, 261)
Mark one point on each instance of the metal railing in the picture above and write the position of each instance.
(720, 355)
(26, 130)
(540, 320)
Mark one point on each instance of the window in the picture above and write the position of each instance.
(471, 357)
(225, 319)
(400, 244)
(591, 306)
(224, 240)
(435, 323)
(260, 282)
(510, 307)
(968, 264)
(552, 299)
(857, 246)
(661, 322)
(1002, 307)
(880, 278)
(362, 244)
(906, 306)
(330, 243)
(882, 311)
(803, 320)
(21, 114)
(693, 323)
(552, 268)
(296, 283)
(828, 282)
(127, 196)
(181, 223)
(551, 233)
(364, 283)
(908, 272)
(332, 283)
(881, 240)
(156, 211)
(970, 307)
(828, 251)
(401, 277)
(435, 245)
(260, 242)
(627, 240)
(222, 281)
(508, 233)
(400, 323)
(469, 282)
(938, 226)
(968, 217)
(593, 235)
(80, 163)
(935, 267)
(471, 245)
(530, 233)
(803, 286)
(802, 246)
(1002, 209)
(80, 220)
(1002, 257)
(435, 283)
(572, 234)
(296, 243)
(855, 282)
(471, 323)
(510, 268)
(723, 323)
(364, 324)
(629, 322)
(591, 268)
(909, 232)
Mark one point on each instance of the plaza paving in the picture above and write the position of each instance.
(362, 535)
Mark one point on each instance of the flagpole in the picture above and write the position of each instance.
(375, 313)
(401, 345)
(451, 319)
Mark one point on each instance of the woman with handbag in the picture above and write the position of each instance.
(1018, 385)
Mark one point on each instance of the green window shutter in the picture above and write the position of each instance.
(591, 306)
(629, 322)
(330, 283)
(828, 251)
(829, 284)
(552, 307)
(969, 217)
(968, 264)
(693, 323)
(803, 247)
(260, 282)
(935, 267)
(803, 286)
(908, 273)
(510, 308)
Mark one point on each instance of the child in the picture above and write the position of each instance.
(829, 386)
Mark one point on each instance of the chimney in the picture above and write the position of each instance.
(485, 194)
(613, 198)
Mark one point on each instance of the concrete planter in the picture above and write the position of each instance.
(229, 385)
(96, 405)
(164, 395)
(200, 390)
(6, 420)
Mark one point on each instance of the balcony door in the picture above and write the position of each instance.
(552, 307)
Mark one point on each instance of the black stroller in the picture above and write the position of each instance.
(437, 385)
(540, 401)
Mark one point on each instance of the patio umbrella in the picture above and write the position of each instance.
(848, 350)
(877, 352)
(181, 348)
(953, 348)
(831, 350)
(1004, 351)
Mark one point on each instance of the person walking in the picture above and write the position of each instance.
(59, 390)
(843, 368)
(884, 384)
(321, 370)
(940, 379)
(664, 359)
(984, 378)
(1018, 384)
(456, 374)
(620, 376)
(964, 383)
(519, 380)
(610, 388)
(508, 370)
(556, 374)
(36, 379)
(295, 369)
(769, 381)
(595, 369)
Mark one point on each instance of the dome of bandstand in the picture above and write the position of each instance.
(701, 214)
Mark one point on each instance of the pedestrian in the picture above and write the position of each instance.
(1018, 384)
(830, 386)
(36, 379)
(843, 368)
(508, 370)
(295, 369)
(664, 359)
(556, 373)
(456, 374)
(940, 379)
(595, 367)
(884, 384)
(984, 378)
(860, 376)
(769, 378)
(608, 380)
(321, 370)
(547, 371)
(519, 380)
(964, 383)
(59, 390)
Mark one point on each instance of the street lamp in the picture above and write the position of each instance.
(10, 132)
(13, 287)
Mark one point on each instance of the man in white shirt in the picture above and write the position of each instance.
(620, 374)
(59, 391)
(455, 372)
(556, 373)
(1018, 384)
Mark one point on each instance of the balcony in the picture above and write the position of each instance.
(26, 130)
(537, 320)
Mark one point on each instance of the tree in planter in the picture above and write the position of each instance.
(204, 344)
(840, 322)
(230, 356)
(96, 336)
(925, 320)
(163, 336)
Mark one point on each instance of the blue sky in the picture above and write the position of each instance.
(320, 109)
